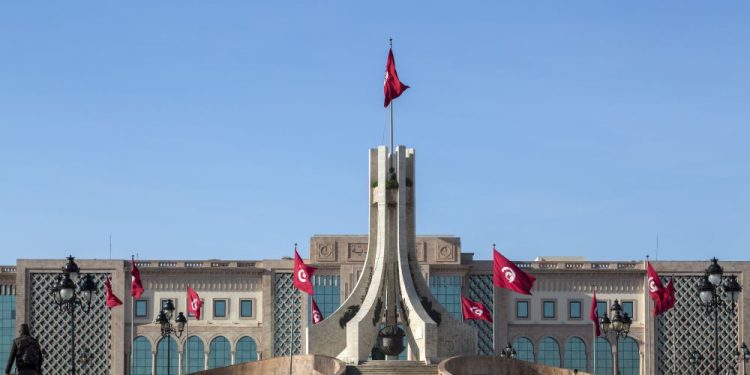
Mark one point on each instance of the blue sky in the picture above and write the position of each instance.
(234, 129)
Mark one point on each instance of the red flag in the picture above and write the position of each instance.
(302, 274)
(392, 87)
(112, 300)
(655, 289)
(136, 287)
(668, 299)
(507, 275)
(594, 316)
(317, 316)
(194, 303)
(474, 310)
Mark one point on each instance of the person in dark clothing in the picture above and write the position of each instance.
(26, 353)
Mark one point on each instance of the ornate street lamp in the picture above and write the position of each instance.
(69, 294)
(167, 328)
(744, 354)
(508, 352)
(717, 292)
(619, 326)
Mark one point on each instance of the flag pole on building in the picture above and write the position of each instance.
(132, 326)
(392, 87)
(390, 46)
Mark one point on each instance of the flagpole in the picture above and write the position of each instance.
(291, 326)
(186, 347)
(649, 331)
(132, 319)
(390, 44)
(594, 330)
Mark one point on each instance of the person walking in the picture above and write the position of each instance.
(26, 353)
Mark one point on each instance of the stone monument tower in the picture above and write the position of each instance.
(391, 298)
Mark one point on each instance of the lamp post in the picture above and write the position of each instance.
(508, 352)
(717, 292)
(694, 357)
(744, 354)
(619, 326)
(69, 294)
(167, 329)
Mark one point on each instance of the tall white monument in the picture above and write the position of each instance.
(391, 291)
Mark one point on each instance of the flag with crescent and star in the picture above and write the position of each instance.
(194, 303)
(655, 289)
(136, 286)
(302, 274)
(392, 86)
(594, 316)
(474, 310)
(112, 300)
(317, 316)
(507, 275)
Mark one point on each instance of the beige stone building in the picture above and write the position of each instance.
(251, 310)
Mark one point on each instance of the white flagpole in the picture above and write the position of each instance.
(594, 332)
(186, 346)
(132, 333)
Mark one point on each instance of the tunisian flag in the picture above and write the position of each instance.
(136, 287)
(474, 310)
(594, 316)
(317, 316)
(194, 303)
(112, 300)
(655, 289)
(302, 274)
(668, 300)
(507, 275)
(392, 87)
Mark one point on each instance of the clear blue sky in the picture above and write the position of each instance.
(232, 129)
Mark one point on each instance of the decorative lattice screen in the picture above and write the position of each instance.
(689, 327)
(287, 315)
(481, 289)
(51, 327)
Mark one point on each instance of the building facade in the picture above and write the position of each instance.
(251, 310)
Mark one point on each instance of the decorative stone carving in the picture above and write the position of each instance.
(357, 252)
(421, 251)
(446, 253)
(327, 252)
(351, 311)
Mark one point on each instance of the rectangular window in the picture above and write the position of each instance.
(220, 308)
(601, 308)
(549, 310)
(163, 304)
(246, 308)
(141, 308)
(627, 307)
(574, 310)
(447, 290)
(522, 309)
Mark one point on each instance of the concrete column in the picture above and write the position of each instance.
(153, 362)
(179, 362)
(205, 361)
(233, 355)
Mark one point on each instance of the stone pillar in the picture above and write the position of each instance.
(179, 362)
(153, 361)
(205, 361)
(233, 354)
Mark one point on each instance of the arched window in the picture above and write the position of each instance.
(575, 354)
(166, 356)
(194, 355)
(628, 357)
(524, 349)
(549, 352)
(246, 350)
(219, 353)
(142, 352)
(603, 357)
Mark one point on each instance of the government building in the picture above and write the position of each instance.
(385, 283)
(251, 310)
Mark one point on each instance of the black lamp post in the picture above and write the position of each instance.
(716, 293)
(744, 354)
(69, 294)
(508, 352)
(167, 329)
(694, 357)
(619, 326)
